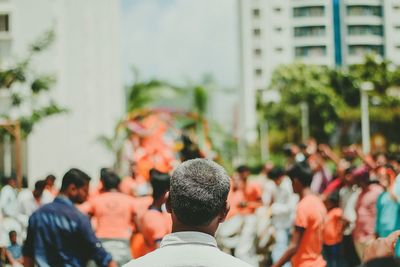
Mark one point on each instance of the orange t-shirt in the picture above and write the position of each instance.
(310, 215)
(234, 199)
(154, 225)
(252, 194)
(333, 227)
(113, 212)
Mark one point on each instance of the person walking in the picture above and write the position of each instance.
(59, 234)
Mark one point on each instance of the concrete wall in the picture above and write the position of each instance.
(86, 61)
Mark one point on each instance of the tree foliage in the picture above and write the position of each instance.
(333, 96)
(26, 90)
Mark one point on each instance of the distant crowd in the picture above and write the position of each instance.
(319, 208)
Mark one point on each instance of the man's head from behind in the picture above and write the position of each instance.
(110, 180)
(277, 174)
(198, 194)
(75, 185)
(39, 187)
(160, 182)
(301, 176)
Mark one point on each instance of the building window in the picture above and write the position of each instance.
(310, 51)
(278, 49)
(256, 13)
(257, 52)
(4, 23)
(277, 9)
(309, 11)
(365, 30)
(258, 72)
(309, 31)
(360, 50)
(278, 29)
(363, 10)
(257, 32)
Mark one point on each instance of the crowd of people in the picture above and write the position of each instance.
(318, 208)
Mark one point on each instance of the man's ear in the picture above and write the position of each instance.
(224, 212)
(168, 203)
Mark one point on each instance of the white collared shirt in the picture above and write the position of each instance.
(187, 249)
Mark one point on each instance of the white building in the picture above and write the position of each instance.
(323, 32)
(85, 58)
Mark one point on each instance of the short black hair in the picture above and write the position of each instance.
(110, 180)
(50, 177)
(334, 197)
(276, 172)
(160, 182)
(103, 171)
(199, 191)
(76, 177)
(40, 185)
(302, 173)
(242, 169)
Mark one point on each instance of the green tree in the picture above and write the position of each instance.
(333, 96)
(310, 84)
(25, 90)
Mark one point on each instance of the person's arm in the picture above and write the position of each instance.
(292, 248)
(381, 247)
(94, 247)
(10, 257)
(327, 151)
(366, 159)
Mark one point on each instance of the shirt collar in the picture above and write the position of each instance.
(189, 237)
(64, 200)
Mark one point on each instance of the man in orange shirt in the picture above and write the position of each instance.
(305, 248)
(333, 231)
(156, 222)
(114, 213)
(251, 194)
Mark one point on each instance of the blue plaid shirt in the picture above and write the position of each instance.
(60, 235)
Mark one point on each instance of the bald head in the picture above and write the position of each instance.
(198, 192)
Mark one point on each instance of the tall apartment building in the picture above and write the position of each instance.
(323, 32)
(85, 59)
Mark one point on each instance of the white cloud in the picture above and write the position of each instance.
(181, 39)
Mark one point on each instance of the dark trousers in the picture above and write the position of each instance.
(350, 257)
(333, 255)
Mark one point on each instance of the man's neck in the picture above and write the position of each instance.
(183, 228)
(305, 192)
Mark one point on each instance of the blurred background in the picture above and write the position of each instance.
(88, 83)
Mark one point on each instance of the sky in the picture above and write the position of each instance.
(180, 40)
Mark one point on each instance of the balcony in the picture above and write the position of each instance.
(305, 3)
(364, 40)
(364, 2)
(311, 41)
(364, 20)
(310, 21)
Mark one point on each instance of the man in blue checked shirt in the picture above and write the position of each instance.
(59, 234)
